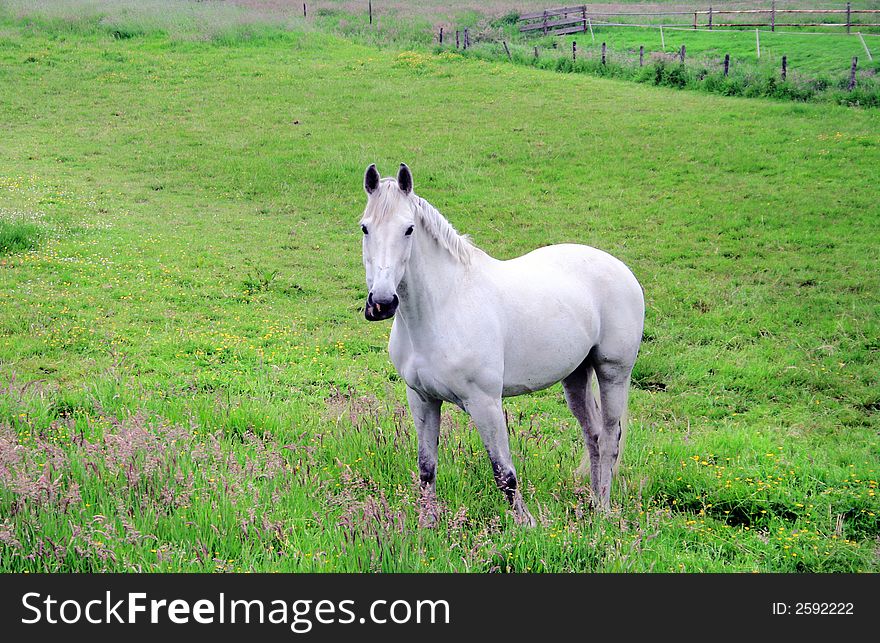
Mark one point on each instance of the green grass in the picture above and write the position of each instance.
(16, 236)
(189, 384)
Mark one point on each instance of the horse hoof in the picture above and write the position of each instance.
(429, 512)
(524, 519)
(603, 506)
(583, 470)
(427, 519)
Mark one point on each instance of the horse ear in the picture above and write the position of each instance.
(404, 179)
(371, 179)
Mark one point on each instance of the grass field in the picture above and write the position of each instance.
(188, 382)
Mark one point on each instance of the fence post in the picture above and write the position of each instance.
(305, 15)
(641, 55)
(504, 42)
(867, 51)
(784, 65)
(545, 22)
(773, 16)
(848, 20)
(584, 15)
(695, 19)
(536, 52)
(574, 50)
(371, 11)
(467, 40)
(710, 18)
(456, 39)
(441, 35)
(758, 42)
(852, 74)
(603, 53)
(681, 53)
(726, 64)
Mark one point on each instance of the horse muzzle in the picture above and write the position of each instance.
(377, 311)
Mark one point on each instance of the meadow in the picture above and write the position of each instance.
(188, 383)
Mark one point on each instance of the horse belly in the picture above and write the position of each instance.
(538, 355)
(553, 300)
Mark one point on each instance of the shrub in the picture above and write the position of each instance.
(564, 65)
(670, 74)
(859, 97)
(794, 91)
(714, 83)
(510, 18)
(820, 84)
(733, 86)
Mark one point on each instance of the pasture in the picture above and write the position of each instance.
(808, 55)
(188, 382)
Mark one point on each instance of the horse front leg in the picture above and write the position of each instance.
(488, 415)
(426, 416)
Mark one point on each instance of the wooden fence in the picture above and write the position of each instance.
(567, 20)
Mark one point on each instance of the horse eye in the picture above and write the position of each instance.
(364, 228)
(409, 231)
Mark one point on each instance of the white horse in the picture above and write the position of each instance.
(469, 329)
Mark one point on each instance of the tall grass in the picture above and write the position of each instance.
(179, 19)
(17, 236)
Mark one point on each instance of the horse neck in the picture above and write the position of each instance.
(432, 274)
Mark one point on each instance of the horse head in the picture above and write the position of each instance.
(388, 224)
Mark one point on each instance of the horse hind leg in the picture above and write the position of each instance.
(614, 378)
(579, 397)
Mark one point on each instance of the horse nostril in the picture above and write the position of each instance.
(385, 301)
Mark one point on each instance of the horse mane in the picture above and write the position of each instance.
(438, 226)
(435, 224)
